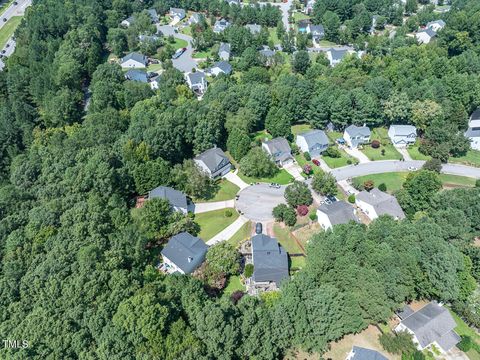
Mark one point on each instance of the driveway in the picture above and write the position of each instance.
(228, 232)
(234, 178)
(211, 206)
(295, 170)
(256, 202)
(403, 150)
(186, 62)
(357, 154)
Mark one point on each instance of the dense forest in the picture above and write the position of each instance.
(76, 275)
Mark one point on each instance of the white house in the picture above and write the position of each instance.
(221, 67)
(338, 212)
(356, 135)
(220, 26)
(279, 150)
(314, 142)
(177, 14)
(184, 253)
(224, 51)
(436, 25)
(473, 132)
(425, 36)
(375, 203)
(197, 82)
(134, 61)
(213, 162)
(431, 325)
(402, 135)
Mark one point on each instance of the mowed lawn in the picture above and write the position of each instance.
(472, 158)
(390, 153)
(241, 235)
(343, 160)
(212, 222)
(234, 284)
(225, 190)
(416, 154)
(282, 178)
(286, 240)
(7, 31)
(463, 329)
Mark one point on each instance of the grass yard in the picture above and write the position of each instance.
(187, 30)
(262, 135)
(333, 136)
(242, 234)
(234, 284)
(154, 67)
(297, 16)
(390, 153)
(343, 160)
(450, 181)
(212, 222)
(300, 159)
(305, 233)
(326, 43)
(178, 43)
(7, 31)
(472, 158)
(203, 54)
(282, 178)
(416, 154)
(225, 190)
(272, 35)
(463, 329)
(300, 128)
(286, 240)
(297, 262)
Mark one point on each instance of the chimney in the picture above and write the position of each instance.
(190, 259)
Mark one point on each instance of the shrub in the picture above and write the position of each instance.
(349, 162)
(236, 296)
(289, 217)
(313, 216)
(375, 144)
(228, 213)
(465, 344)
(248, 271)
(397, 344)
(383, 152)
(302, 210)
(382, 187)
(351, 199)
(368, 185)
(477, 183)
(332, 152)
(307, 169)
(357, 184)
(433, 165)
(307, 156)
(279, 211)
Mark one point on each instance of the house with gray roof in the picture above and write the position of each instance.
(221, 67)
(335, 213)
(214, 162)
(176, 199)
(184, 253)
(136, 75)
(131, 19)
(254, 28)
(313, 142)
(356, 135)
(224, 51)
(317, 32)
(279, 150)
(270, 261)
(335, 56)
(195, 19)
(436, 25)
(177, 14)
(148, 38)
(425, 36)
(360, 353)
(402, 135)
(220, 26)
(473, 131)
(376, 203)
(431, 325)
(134, 60)
(267, 55)
(197, 82)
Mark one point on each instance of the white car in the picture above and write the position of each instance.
(412, 168)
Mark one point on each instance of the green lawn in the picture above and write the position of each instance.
(343, 160)
(302, 161)
(262, 135)
(297, 16)
(286, 240)
(234, 284)
(463, 329)
(7, 31)
(225, 190)
(457, 181)
(212, 222)
(272, 35)
(242, 234)
(326, 43)
(416, 154)
(297, 129)
(472, 158)
(154, 67)
(282, 178)
(179, 43)
(376, 154)
(202, 54)
(334, 135)
(187, 30)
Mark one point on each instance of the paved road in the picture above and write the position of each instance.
(257, 201)
(185, 63)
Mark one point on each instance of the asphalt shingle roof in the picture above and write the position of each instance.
(135, 57)
(224, 66)
(136, 75)
(224, 47)
(279, 148)
(403, 130)
(339, 212)
(196, 77)
(254, 28)
(366, 354)
(354, 130)
(175, 198)
(383, 203)
(213, 158)
(270, 261)
(315, 137)
(186, 251)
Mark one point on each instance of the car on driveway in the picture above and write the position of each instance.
(316, 162)
(258, 228)
(331, 198)
(275, 185)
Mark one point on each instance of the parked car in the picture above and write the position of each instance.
(412, 168)
(4, 19)
(331, 198)
(275, 185)
(258, 228)
(178, 53)
(316, 162)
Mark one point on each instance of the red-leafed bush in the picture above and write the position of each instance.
(302, 210)
(307, 169)
(375, 144)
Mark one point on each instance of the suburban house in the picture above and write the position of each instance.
(220, 26)
(195, 19)
(148, 38)
(335, 56)
(221, 67)
(177, 14)
(134, 61)
(309, 7)
(473, 132)
(317, 32)
(425, 36)
(356, 135)
(197, 82)
(270, 262)
(360, 353)
(279, 150)
(254, 28)
(338, 212)
(224, 51)
(130, 20)
(177, 199)
(184, 253)
(267, 55)
(402, 135)
(136, 75)
(214, 162)
(431, 325)
(314, 142)
(375, 203)
(436, 25)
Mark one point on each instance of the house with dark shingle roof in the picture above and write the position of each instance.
(136, 75)
(177, 199)
(335, 56)
(375, 203)
(436, 25)
(356, 135)
(177, 14)
(220, 26)
(360, 353)
(134, 60)
(431, 325)
(270, 261)
(425, 36)
(314, 142)
(279, 150)
(224, 51)
(221, 67)
(184, 253)
(473, 131)
(317, 32)
(338, 212)
(197, 82)
(254, 28)
(214, 162)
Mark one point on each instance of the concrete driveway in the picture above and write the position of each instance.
(256, 202)
(186, 62)
(295, 170)
(357, 154)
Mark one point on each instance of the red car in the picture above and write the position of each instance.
(316, 162)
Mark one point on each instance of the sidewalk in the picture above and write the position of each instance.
(234, 178)
(228, 232)
(349, 189)
(211, 206)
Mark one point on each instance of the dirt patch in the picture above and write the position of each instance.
(367, 339)
(305, 233)
(476, 242)
(417, 305)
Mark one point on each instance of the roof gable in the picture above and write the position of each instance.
(185, 251)
(270, 261)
